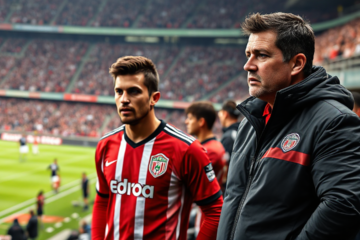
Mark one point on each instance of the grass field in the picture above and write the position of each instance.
(20, 183)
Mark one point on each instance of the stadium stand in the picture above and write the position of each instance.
(342, 41)
(68, 119)
(46, 66)
(152, 14)
(37, 12)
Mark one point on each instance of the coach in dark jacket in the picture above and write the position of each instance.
(15, 231)
(295, 166)
(32, 226)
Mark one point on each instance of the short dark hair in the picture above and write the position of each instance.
(356, 97)
(230, 107)
(204, 110)
(294, 35)
(130, 65)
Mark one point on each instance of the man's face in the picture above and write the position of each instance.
(132, 98)
(192, 124)
(267, 72)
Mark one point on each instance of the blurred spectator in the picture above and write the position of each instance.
(170, 14)
(84, 230)
(32, 226)
(37, 12)
(15, 231)
(78, 12)
(342, 41)
(47, 66)
(56, 118)
(124, 16)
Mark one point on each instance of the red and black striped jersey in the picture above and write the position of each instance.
(152, 184)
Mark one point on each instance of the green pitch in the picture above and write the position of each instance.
(20, 182)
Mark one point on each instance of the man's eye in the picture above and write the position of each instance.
(134, 91)
(118, 91)
(263, 55)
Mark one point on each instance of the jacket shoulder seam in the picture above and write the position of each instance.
(334, 106)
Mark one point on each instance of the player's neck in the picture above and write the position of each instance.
(143, 129)
(229, 122)
(205, 134)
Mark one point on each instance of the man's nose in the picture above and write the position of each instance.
(124, 98)
(250, 65)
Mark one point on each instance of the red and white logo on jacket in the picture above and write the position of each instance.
(290, 141)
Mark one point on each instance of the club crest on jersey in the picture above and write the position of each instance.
(158, 165)
(290, 141)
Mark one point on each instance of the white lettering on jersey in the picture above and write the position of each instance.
(128, 188)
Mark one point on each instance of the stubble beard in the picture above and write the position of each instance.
(136, 120)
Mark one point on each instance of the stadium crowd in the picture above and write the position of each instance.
(46, 66)
(56, 118)
(37, 12)
(153, 14)
(342, 41)
(95, 74)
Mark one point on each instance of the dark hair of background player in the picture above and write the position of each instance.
(204, 110)
(131, 65)
(230, 107)
(294, 35)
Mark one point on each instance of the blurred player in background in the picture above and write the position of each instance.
(55, 178)
(24, 149)
(149, 173)
(356, 108)
(200, 118)
(35, 146)
(32, 226)
(228, 116)
(85, 190)
(40, 200)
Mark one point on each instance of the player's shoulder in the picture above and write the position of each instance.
(113, 132)
(177, 135)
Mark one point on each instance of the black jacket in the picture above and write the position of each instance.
(32, 227)
(228, 138)
(298, 177)
(16, 232)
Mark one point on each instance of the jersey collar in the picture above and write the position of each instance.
(154, 134)
(208, 140)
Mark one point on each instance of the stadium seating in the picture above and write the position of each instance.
(342, 41)
(46, 66)
(142, 14)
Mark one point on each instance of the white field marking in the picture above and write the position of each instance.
(87, 218)
(74, 215)
(49, 229)
(47, 195)
(58, 225)
(22, 174)
(67, 219)
(50, 199)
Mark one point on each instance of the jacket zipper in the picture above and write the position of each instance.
(243, 198)
(251, 174)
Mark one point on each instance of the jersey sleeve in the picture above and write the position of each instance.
(102, 187)
(199, 176)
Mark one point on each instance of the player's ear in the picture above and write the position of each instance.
(154, 98)
(201, 122)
